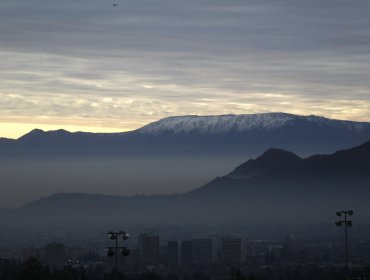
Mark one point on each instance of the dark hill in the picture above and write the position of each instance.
(271, 160)
(276, 187)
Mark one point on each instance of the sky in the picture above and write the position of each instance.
(90, 66)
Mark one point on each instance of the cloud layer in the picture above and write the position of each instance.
(87, 63)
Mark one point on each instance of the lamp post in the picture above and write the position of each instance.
(113, 251)
(346, 224)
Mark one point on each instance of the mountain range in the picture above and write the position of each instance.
(172, 155)
(225, 134)
(277, 186)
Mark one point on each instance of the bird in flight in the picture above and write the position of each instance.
(115, 4)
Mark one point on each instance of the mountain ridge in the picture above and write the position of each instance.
(236, 123)
(337, 168)
(271, 159)
(227, 134)
(260, 120)
(326, 181)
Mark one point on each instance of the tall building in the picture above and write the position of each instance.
(231, 248)
(149, 249)
(173, 253)
(202, 251)
(186, 253)
(55, 254)
(31, 252)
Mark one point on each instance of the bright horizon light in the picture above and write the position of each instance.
(14, 130)
(84, 65)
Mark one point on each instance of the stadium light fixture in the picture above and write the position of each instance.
(346, 224)
(113, 250)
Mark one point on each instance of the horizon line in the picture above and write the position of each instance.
(113, 130)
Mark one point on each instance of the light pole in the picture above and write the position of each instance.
(346, 224)
(113, 251)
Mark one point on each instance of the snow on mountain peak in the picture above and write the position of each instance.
(217, 124)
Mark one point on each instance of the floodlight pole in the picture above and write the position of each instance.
(346, 236)
(346, 224)
(113, 235)
(116, 264)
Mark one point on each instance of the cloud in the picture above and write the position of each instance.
(150, 59)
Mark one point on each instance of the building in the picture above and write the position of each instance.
(231, 248)
(31, 252)
(202, 251)
(173, 253)
(186, 253)
(148, 246)
(55, 254)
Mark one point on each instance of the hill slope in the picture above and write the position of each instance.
(275, 187)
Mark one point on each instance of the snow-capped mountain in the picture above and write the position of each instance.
(172, 152)
(225, 134)
(224, 124)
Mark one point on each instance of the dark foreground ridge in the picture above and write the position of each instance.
(278, 186)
